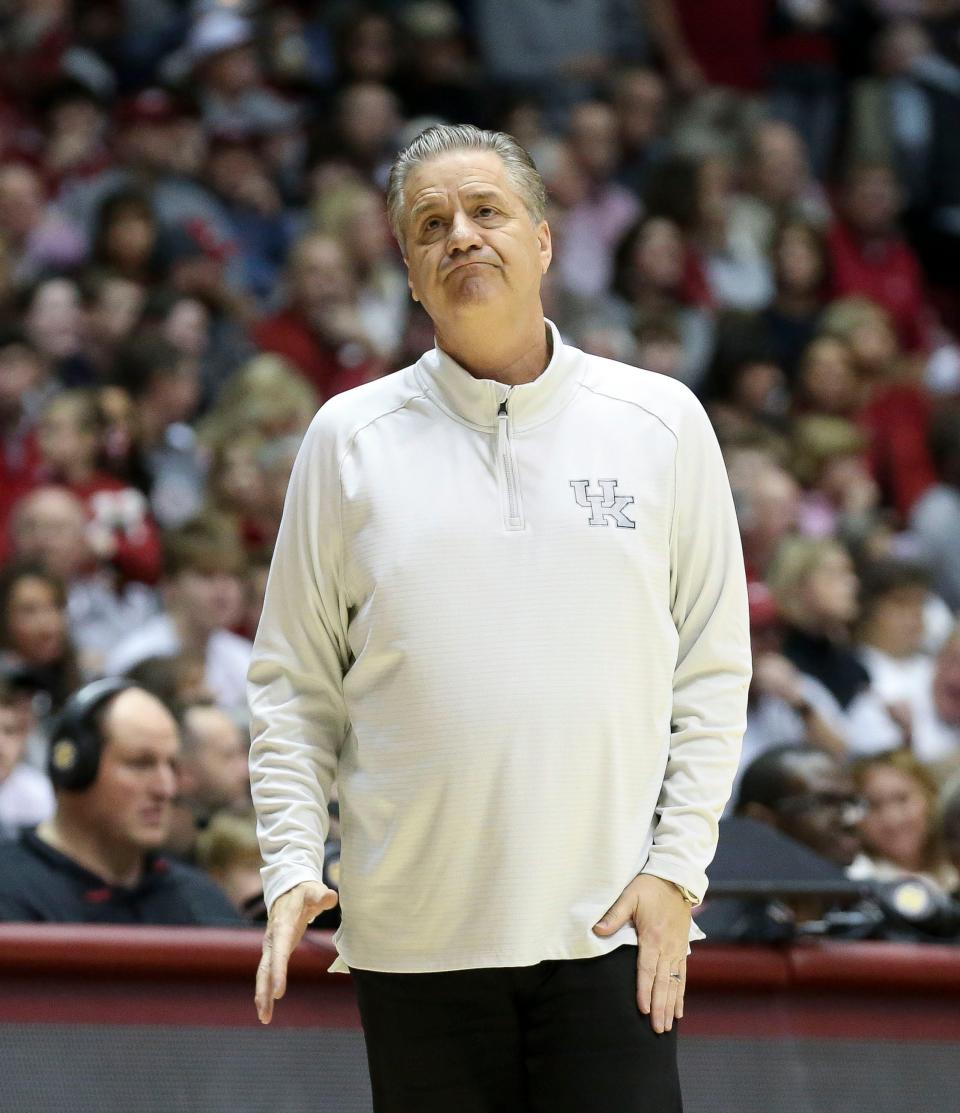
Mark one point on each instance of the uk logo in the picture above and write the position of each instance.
(605, 507)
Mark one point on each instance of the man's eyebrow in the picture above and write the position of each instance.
(430, 203)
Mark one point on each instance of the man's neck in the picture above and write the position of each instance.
(489, 352)
(115, 864)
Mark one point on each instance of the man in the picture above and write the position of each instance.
(113, 762)
(203, 566)
(212, 775)
(26, 797)
(507, 611)
(806, 794)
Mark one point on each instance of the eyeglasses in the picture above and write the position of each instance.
(850, 806)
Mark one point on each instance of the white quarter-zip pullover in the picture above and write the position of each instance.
(511, 622)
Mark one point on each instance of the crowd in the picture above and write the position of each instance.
(760, 198)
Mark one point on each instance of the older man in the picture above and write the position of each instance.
(507, 612)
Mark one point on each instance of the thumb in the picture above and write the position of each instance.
(614, 918)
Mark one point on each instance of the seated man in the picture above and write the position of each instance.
(213, 775)
(113, 759)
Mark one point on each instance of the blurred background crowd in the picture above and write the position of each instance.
(758, 197)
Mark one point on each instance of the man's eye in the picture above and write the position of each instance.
(431, 224)
(486, 210)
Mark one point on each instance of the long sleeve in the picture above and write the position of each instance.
(295, 681)
(712, 673)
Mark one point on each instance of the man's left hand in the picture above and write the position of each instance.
(662, 919)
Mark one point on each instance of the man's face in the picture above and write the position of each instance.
(823, 810)
(50, 526)
(219, 760)
(211, 599)
(130, 802)
(470, 245)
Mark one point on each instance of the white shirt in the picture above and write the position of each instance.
(26, 798)
(529, 687)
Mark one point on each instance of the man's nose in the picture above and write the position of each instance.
(463, 233)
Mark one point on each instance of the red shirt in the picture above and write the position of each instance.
(885, 271)
(20, 472)
(125, 512)
(728, 38)
(289, 335)
(897, 419)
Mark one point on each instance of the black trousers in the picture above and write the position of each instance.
(559, 1037)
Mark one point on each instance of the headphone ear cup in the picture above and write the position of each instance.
(75, 742)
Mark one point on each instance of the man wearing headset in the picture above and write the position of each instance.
(113, 764)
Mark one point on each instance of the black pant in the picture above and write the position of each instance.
(559, 1037)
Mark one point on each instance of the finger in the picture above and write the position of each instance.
(288, 933)
(262, 998)
(661, 990)
(682, 984)
(646, 972)
(615, 917)
(670, 1004)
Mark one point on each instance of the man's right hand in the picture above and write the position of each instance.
(289, 916)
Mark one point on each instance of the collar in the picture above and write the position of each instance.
(155, 869)
(476, 401)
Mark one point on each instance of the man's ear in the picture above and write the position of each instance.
(413, 292)
(545, 241)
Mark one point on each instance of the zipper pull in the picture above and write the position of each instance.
(502, 412)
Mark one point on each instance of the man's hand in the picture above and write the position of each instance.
(662, 919)
(291, 913)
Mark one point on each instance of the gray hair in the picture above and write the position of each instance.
(442, 139)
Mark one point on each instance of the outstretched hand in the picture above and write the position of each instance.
(292, 911)
(662, 919)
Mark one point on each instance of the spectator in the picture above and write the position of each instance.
(51, 526)
(828, 458)
(164, 386)
(651, 277)
(784, 705)
(232, 94)
(38, 237)
(871, 257)
(33, 629)
(894, 409)
(827, 382)
(597, 222)
(640, 103)
(53, 321)
(807, 795)
(227, 851)
(25, 383)
(898, 829)
(768, 505)
(178, 682)
(121, 531)
(355, 216)
(113, 763)
(935, 517)
(801, 276)
(114, 305)
(212, 775)
(321, 330)
(203, 566)
(127, 237)
(815, 587)
(26, 796)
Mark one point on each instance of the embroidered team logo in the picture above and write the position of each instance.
(605, 507)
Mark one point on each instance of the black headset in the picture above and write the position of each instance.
(75, 738)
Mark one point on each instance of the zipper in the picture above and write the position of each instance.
(507, 466)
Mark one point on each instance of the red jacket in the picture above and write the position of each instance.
(887, 272)
(289, 335)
